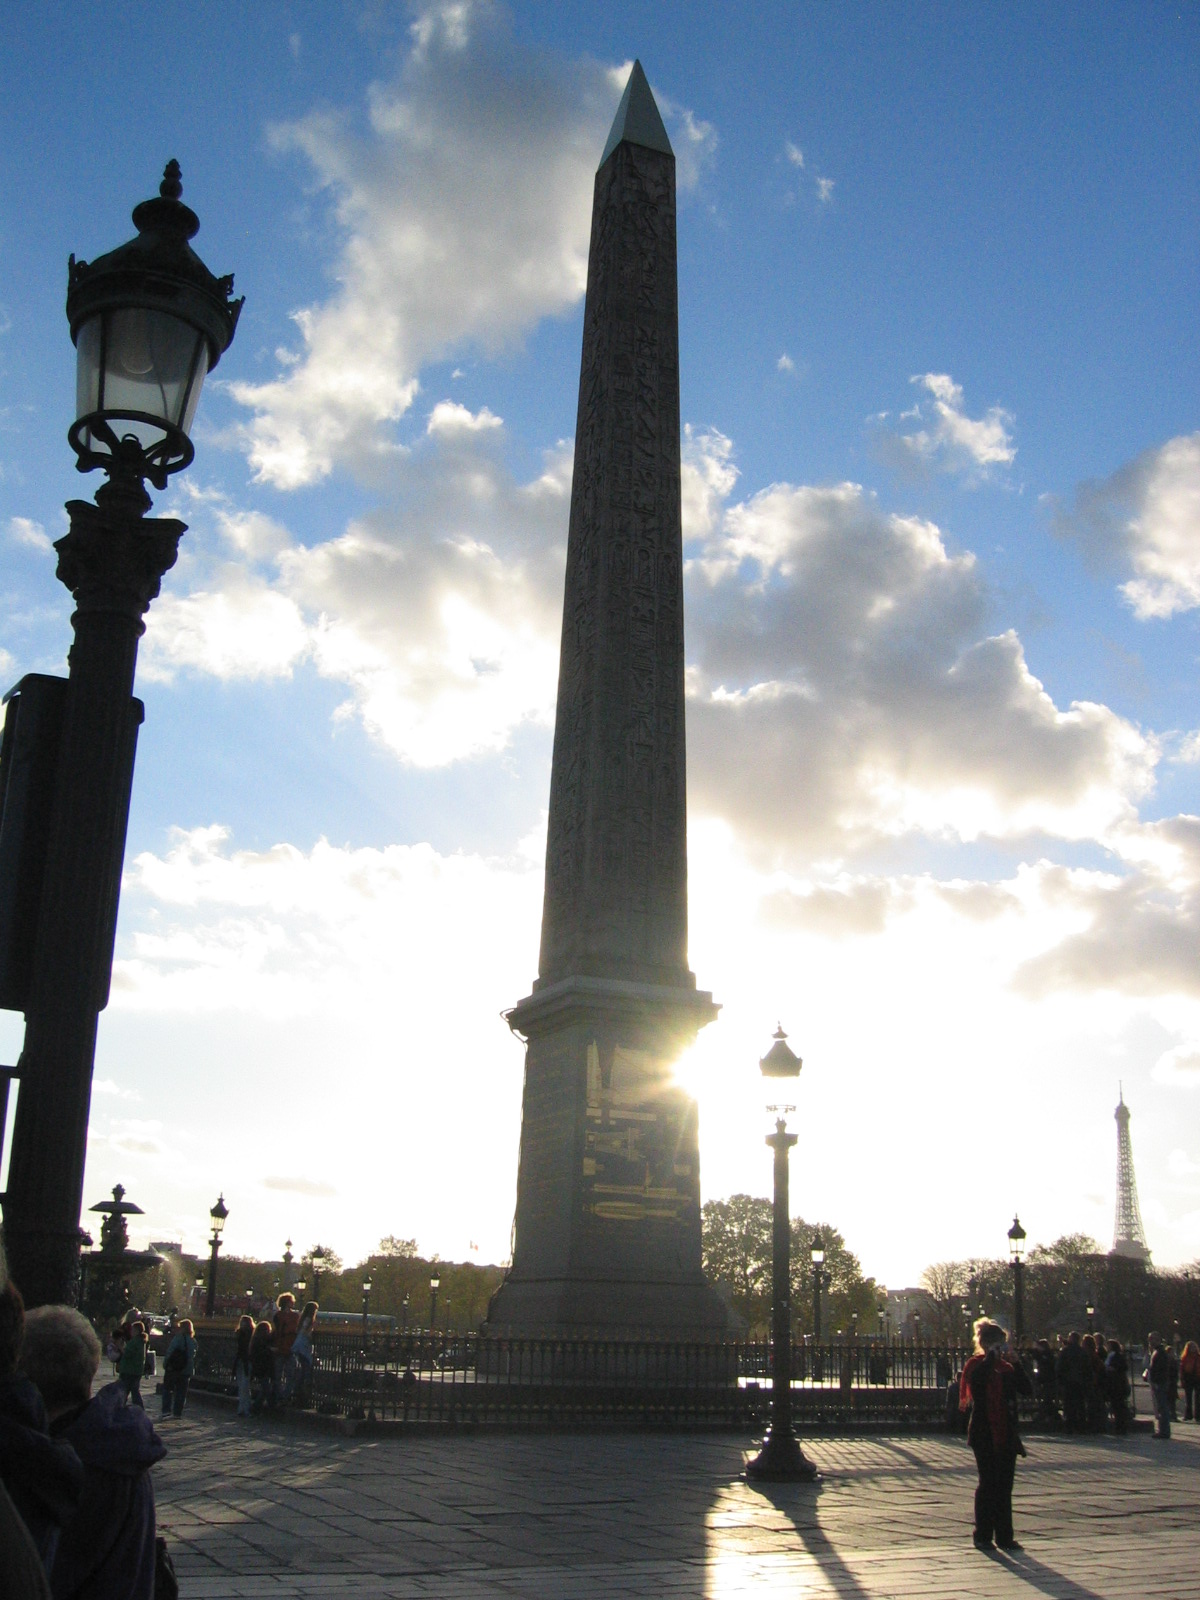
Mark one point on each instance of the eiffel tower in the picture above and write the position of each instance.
(1129, 1237)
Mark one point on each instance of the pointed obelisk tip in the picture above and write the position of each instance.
(637, 120)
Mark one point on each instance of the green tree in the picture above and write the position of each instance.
(390, 1247)
(735, 1239)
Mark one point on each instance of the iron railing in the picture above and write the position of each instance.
(465, 1378)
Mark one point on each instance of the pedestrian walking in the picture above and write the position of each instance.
(988, 1390)
(1173, 1380)
(132, 1365)
(1189, 1373)
(241, 1365)
(1043, 1365)
(1158, 1375)
(179, 1367)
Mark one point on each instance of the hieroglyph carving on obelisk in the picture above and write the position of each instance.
(607, 1231)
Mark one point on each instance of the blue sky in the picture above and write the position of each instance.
(937, 288)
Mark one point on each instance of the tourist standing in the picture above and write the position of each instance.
(241, 1365)
(1116, 1372)
(286, 1324)
(1189, 1372)
(179, 1368)
(262, 1367)
(1073, 1371)
(300, 1378)
(1158, 1375)
(132, 1365)
(988, 1389)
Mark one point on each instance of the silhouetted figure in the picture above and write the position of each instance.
(1094, 1400)
(262, 1368)
(241, 1365)
(988, 1389)
(1116, 1371)
(43, 1476)
(1073, 1371)
(1158, 1375)
(299, 1387)
(1046, 1382)
(106, 1550)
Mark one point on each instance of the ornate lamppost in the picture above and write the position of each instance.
(218, 1214)
(1016, 1250)
(366, 1308)
(1091, 1317)
(434, 1285)
(817, 1252)
(781, 1455)
(149, 321)
(404, 1312)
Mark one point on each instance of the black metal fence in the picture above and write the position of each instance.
(467, 1379)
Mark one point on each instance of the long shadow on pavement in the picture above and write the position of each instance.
(1043, 1578)
(791, 1499)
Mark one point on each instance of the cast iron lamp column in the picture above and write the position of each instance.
(818, 1265)
(148, 320)
(218, 1214)
(781, 1455)
(434, 1285)
(366, 1308)
(1016, 1249)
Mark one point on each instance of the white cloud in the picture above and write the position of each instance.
(949, 439)
(27, 532)
(825, 190)
(1180, 1067)
(793, 153)
(1147, 514)
(465, 210)
(243, 628)
(785, 363)
(844, 691)
(449, 417)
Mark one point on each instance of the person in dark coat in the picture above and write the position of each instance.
(107, 1549)
(1074, 1372)
(988, 1389)
(262, 1367)
(1116, 1372)
(43, 1476)
(241, 1365)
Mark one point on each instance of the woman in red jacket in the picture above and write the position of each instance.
(988, 1389)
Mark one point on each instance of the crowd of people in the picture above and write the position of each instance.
(76, 1497)
(273, 1361)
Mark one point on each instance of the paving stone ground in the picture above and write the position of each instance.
(255, 1509)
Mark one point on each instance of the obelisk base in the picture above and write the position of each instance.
(607, 1240)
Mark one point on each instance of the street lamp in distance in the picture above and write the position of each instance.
(218, 1214)
(1016, 1250)
(1091, 1317)
(817, 1252)
(435, 1284)
(366, 1308)
(781, 1456)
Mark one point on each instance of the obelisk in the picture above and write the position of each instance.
(607, 1233)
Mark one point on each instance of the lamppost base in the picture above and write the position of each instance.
(781, 1459)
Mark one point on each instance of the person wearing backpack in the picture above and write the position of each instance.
(988, 1390)
(179, 1367)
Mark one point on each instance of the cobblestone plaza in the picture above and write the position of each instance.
(259, 1511)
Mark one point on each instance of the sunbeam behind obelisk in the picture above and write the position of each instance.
(607, 1233)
